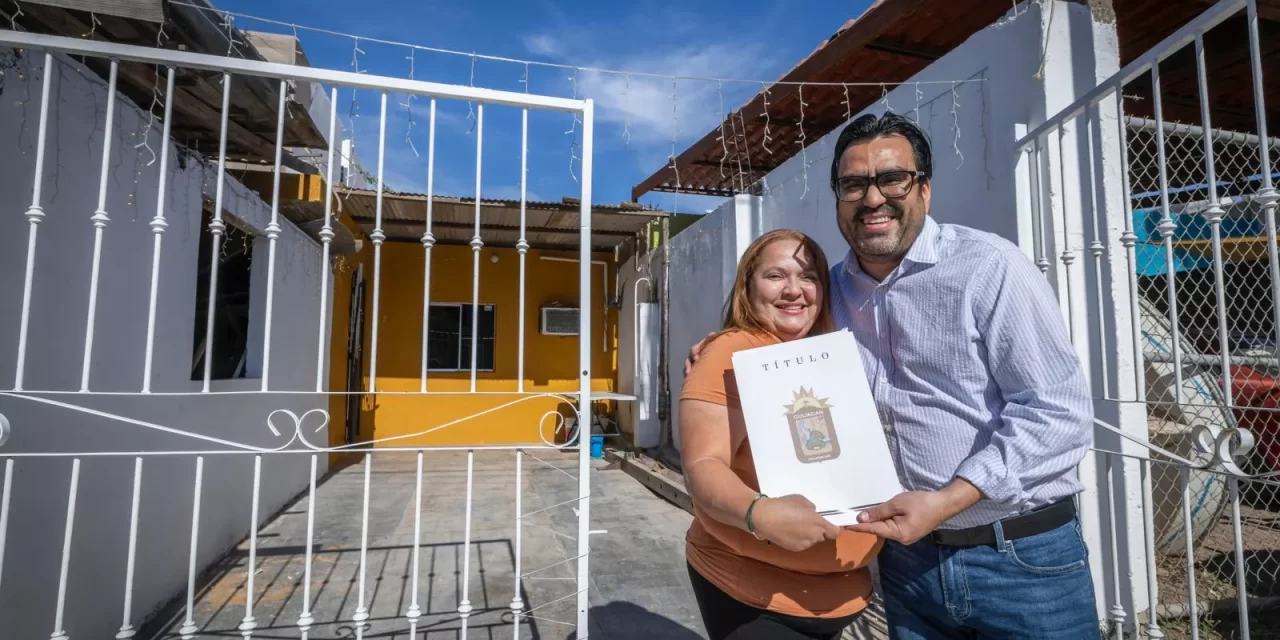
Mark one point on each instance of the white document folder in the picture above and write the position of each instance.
(813, 425)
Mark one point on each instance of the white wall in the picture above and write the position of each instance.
(639, 340)
(973, 103)
(95, 591)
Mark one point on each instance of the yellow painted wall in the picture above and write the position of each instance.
(551, 362)
(507, 417)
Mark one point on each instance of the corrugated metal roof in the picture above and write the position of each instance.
(890, 42)
(197, 107)
(149, 10)
(895, 39)
(547, 224)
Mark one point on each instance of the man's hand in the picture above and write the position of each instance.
(694, 352)
(910, 516)
(791, 522)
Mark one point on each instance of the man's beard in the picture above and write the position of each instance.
(878, 244)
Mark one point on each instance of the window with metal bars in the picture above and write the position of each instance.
(449, 337)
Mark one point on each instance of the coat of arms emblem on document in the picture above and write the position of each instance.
(812, 431)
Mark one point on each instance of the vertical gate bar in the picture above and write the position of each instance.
(126, 627)
(1148, 530)
(517, 599)
(273, 232)
(1130, 240)
(1214, 215)
(1189, 539)
(1237, 537)
(476, 244)
(415, 611)
(362, 612)
(1118, 614)
(35, 214)
(1267, 195)
(378, 237)
(1097, 250)
(216, 227)
(250, 623)
(5, 498)
(1038, 209)
(523, 248)
(1068, 256)
(428, 241)
(1166, 228)
(60, 633)
(158, 225)
(464, 607)
(306, 619)
(326, 239)
(584, 364)
(188, 629)
(100, 220)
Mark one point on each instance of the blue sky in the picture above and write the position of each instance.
(636, 116)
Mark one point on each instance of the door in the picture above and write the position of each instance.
(355, 356)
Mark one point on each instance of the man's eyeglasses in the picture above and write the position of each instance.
(892, 184)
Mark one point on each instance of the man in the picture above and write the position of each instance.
(982, 399)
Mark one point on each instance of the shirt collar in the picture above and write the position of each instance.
(924, 251)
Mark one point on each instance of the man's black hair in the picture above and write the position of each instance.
(869, 127)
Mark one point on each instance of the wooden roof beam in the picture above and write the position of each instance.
(903, 50)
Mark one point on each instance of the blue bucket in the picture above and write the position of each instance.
(597, 446)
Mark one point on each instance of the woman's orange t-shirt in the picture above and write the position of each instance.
(828, 580)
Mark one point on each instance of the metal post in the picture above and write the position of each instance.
(1166, 228)
(35, 214)
(273, 233)
(126, 627)
(100, 220)
(476, 245)
(523, 248)
(326, 238)
(1267, 196)
(584, 363)
(428, 241)
(216, 228)
(464, 607)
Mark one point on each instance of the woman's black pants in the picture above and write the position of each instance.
(727, 619)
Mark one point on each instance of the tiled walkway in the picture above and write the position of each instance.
(639, 586)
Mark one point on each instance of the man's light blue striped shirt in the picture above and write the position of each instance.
(972, 370)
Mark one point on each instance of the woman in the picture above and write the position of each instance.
(763, 566)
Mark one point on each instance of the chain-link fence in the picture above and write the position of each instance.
(1181, 273)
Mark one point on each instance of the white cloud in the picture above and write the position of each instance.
(653, 110)
(508, 192)
(543, 45)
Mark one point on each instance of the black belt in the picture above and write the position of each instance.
(1019, 526)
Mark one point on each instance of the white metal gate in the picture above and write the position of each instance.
(1134, 219)
(43, 471)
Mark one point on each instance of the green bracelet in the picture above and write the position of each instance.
(751, 527)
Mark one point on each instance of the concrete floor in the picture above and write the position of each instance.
(639, 587)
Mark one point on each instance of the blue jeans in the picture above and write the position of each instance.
(1033, 587)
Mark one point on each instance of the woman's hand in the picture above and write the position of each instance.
(791, 522)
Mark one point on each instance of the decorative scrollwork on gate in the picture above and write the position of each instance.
(286, 422)
(1221, 452)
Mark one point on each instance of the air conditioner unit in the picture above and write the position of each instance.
(559, 321)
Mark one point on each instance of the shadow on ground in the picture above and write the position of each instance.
(626, 621)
